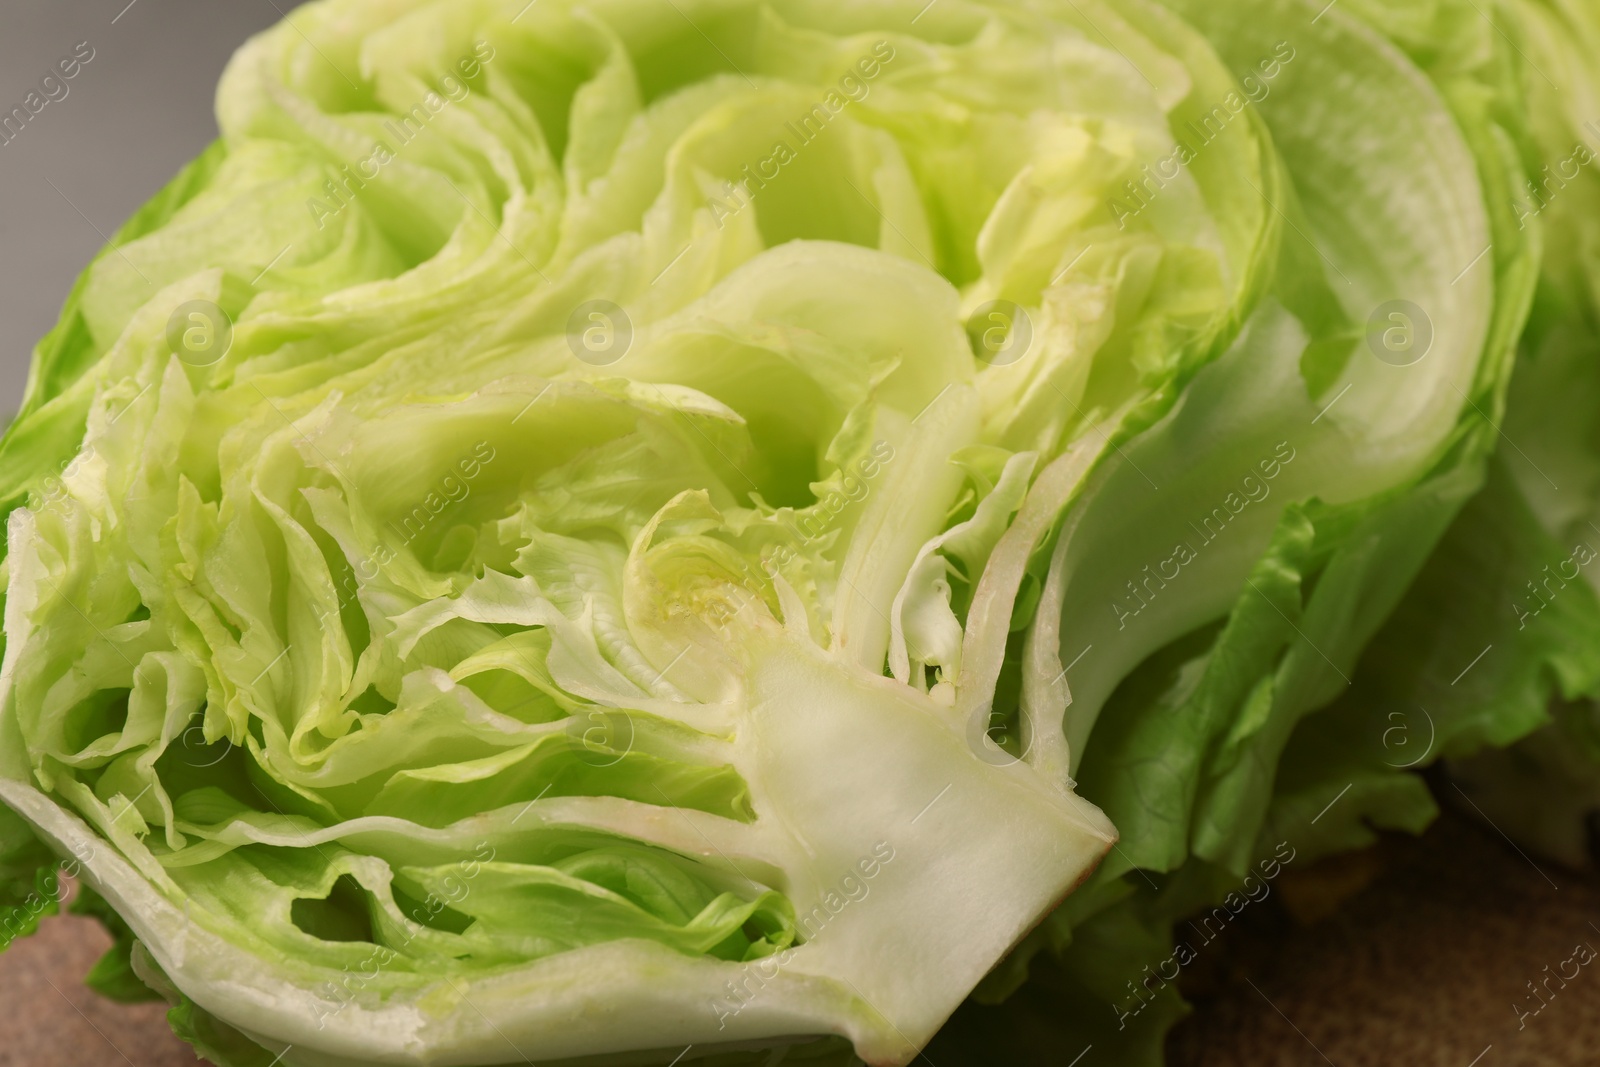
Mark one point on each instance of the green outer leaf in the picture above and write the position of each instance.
(1470, 661)
(36, 440)
(213, 1039)
(28, 886)
(1381, 546)
(1473, 599)
(67, 350)
(113, 975)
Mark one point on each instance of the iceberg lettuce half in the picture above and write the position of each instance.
(625, 528)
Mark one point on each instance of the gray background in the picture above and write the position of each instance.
(132, 118)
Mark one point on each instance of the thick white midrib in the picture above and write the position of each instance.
(999, 504)
(989, 616)
(900, 516)
(858, 766)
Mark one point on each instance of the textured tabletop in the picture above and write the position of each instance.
(1419, 969)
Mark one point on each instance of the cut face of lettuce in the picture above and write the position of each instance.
(610, 528)
(554, 621)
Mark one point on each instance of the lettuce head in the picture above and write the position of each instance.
(640, 529)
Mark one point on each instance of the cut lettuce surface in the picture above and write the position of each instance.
(707, 531)
(487, 652)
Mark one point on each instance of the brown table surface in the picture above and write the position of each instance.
(1420, 968)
